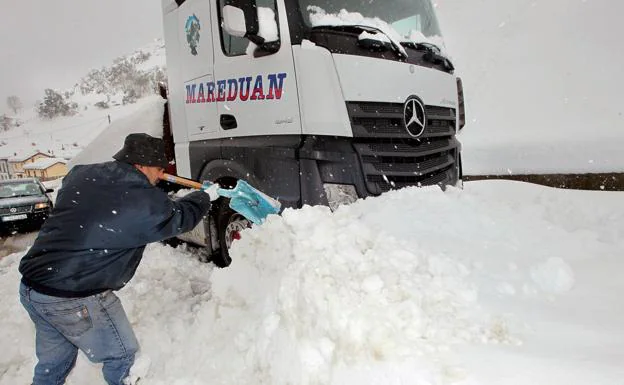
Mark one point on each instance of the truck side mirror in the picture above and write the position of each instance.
(240, 19)
(234, 21)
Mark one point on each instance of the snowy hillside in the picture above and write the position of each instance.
(129, 78)
(503, 283)
(98, 99)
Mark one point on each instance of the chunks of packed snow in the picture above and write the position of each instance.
(331, 291)
(267, 24)
(553, 276)
(307, 44)
(374, 36)
(267, 28)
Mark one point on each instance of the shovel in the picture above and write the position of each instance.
(246, 200)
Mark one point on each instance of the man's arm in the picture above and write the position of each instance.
(181, 215)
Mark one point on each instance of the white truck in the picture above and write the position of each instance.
(311, 101)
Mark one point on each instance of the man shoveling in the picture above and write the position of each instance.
(91, 245)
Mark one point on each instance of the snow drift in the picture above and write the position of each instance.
(495, 284)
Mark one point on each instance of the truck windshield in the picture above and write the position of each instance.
(406, 20)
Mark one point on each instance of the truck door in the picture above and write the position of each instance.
(255, 95)
(197, 68)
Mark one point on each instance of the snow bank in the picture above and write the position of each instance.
(314, 294)
(495, 284)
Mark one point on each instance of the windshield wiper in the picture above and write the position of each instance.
(422, 46)
(433, 53)
(395, 45)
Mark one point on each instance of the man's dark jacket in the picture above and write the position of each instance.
(104, 216)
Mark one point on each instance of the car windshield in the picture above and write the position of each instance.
(15, 189)
(409, 19)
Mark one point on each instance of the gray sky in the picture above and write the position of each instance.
(52, 43)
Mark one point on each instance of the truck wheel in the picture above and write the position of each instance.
(229, 226)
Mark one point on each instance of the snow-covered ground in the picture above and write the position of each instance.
(502, 283)
(64, 136)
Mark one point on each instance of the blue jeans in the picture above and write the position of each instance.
(97, 325)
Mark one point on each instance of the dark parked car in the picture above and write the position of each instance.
(23, 204)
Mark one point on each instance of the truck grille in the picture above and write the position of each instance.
(18, 210)
(391, 158)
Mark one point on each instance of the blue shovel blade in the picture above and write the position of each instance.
(250, 203)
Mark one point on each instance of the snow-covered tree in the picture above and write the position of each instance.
(140, 57)
(14, 103)
(54, 104)
(6, 123)
(123, 76)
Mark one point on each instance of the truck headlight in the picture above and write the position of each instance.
(40, 206)
(339, 194)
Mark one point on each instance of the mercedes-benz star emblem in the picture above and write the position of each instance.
(414, 116)
(13, 209)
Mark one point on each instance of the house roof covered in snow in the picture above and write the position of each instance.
(25, 155)
(44, 163)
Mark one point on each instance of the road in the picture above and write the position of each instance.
(15, 243)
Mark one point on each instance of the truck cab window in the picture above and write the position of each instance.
(233, 45)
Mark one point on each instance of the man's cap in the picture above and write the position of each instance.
(144, 150)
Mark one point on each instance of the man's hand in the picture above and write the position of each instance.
(211, 190)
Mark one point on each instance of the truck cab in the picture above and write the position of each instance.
(311, 101)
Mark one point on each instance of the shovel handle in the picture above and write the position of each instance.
(182, 181)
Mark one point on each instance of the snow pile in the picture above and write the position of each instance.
(501, 283)
(329, 292)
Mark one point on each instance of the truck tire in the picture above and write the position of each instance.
(229, 225)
